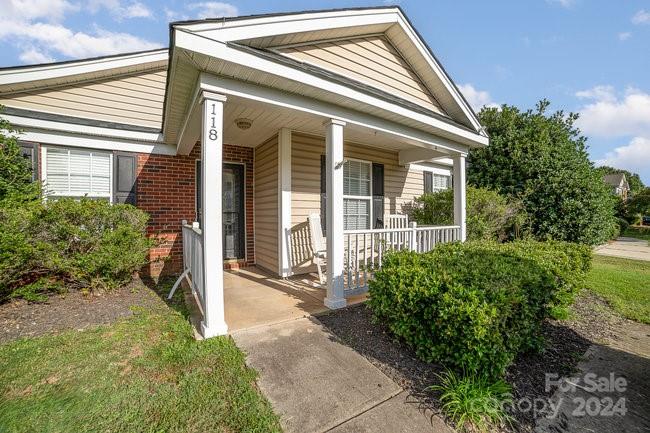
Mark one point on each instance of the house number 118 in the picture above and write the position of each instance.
(212, 134)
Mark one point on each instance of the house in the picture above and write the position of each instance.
(619, 184)
(248, 125)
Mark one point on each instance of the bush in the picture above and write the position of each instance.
(490, 216)
(85, 244)
(475, 306)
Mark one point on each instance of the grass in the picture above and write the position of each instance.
(142, 374)
(624, 283)
(638, 233)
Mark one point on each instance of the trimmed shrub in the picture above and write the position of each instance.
(490, 216)
(475, 306)
(85, 244)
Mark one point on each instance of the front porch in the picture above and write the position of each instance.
(354, 175)
(255, 297)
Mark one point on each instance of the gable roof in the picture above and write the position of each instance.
(267, 31)
(616, 180)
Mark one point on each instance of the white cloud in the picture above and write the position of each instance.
(27, 10)
(36, 28)
(641, 17)
(599, 93)
(213, 9)
(610, 115)
(624, 36)
(60, 39)
(564, 3)
(476, 98)
(121, 10)
(32, 55)
(634, 156)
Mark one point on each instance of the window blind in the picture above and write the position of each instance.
(78, 173)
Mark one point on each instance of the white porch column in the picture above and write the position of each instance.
(214, 322)
(284, 202)
(460, 195)
(334, 164)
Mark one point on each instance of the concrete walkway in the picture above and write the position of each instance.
(629, 248)
(317, 384)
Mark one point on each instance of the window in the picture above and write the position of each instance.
(357, 198)
(434, 182)
(77, 172)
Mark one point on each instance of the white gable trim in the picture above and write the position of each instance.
(263, 26)
(259, 27)
(220, 50)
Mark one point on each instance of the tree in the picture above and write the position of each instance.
(633, 179)
(490, 216)
(542, 160)
(639, 204)
(15, 173)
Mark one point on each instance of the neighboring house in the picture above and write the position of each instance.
(249, 125)
(619, 184)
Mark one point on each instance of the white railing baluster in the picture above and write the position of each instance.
(362, 263)
(193, 259)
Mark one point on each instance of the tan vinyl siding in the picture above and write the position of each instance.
(401, 186)
(266, 205)
(134, 99)
(371, 60)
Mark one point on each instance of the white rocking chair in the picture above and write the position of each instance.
(395, 221)
(319, 251)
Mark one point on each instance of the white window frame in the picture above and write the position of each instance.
(434, 171)
(44, 149)
(360, 197)
(433, 182)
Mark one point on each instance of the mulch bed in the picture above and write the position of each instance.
(592, 322)
(73, 310)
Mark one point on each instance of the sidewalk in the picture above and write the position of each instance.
(317, 384)
(584, 410)
(629, 248)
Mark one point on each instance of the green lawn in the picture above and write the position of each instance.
(142, 374)
(639, 233)
(624, 283)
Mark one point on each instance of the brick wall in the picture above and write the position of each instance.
(166, 190)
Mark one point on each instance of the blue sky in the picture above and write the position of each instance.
(589, 56)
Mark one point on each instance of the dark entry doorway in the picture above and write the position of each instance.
(234, 220)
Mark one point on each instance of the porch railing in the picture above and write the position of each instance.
(365, 249)
(193, 260)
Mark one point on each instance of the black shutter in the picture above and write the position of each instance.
(29, 151)
(428, 181)
(197, 189)
(323, 194)
(378, 195)
(124, 181)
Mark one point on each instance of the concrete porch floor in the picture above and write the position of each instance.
(254, 297)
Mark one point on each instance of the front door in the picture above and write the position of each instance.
(234, 221)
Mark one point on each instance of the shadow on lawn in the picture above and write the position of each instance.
(161, 287)
(355, 327)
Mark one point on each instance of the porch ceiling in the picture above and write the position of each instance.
(268, 119)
